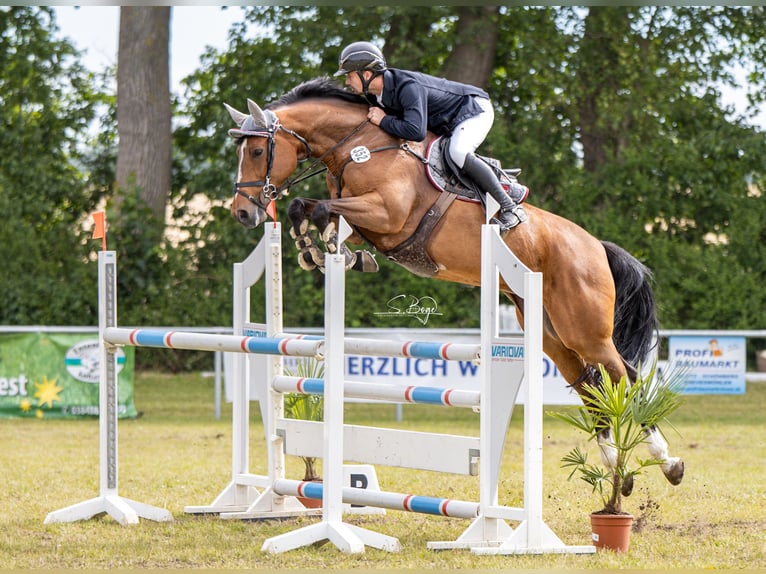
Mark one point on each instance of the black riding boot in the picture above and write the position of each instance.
(510, 214)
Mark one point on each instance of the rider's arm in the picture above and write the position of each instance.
(413, 125)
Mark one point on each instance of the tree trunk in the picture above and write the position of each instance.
(602, 127)
(144, 154)
(472, 59)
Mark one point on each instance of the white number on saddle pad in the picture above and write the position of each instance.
(360, 154)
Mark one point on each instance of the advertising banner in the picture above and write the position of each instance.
(710, 365)
(55, 375)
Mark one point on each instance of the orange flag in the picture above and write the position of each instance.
(99, 229)
(271, 209)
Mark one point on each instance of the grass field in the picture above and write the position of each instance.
(177, 454)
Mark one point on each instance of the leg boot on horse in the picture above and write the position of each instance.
(511, 214)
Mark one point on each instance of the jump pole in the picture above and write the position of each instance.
(489, 533)
(123, 510)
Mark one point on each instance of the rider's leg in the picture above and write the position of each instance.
(511, 214)
(466, 137)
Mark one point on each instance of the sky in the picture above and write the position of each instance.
(95, 30)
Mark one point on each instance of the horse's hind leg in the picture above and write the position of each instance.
(578, 373)
(672, 466)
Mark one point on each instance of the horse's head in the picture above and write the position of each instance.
(268, 154)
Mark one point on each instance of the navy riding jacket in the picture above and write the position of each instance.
(416, 102)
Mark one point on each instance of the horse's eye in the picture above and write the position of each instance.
(256, 153)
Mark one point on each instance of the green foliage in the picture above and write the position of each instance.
(304, 406)
(47, 101)
(627, 411)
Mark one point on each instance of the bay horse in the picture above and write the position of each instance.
(598, 300)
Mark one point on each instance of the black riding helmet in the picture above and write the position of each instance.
(360, 56)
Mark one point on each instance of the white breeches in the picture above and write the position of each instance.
(469, 134)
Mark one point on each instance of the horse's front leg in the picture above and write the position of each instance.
(299, 211)
(360, 260)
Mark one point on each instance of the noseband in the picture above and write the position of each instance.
(269, 191)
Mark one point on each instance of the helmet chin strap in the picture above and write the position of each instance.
(366, 83)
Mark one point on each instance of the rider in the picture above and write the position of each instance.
(413, 102)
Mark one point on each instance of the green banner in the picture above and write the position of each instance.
(52, 375)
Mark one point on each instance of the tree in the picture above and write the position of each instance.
(47, 102)
(472, 59)
(144, 157)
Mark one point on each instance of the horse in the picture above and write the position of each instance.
(598, 299)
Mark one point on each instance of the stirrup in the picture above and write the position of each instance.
(510, 218)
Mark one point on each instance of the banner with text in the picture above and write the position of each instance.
(55, 375)
(710, 365)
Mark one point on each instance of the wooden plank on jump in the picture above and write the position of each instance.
(388, 447)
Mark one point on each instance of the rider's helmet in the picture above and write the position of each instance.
(360, 56)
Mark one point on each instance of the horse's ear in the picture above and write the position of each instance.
(237, 116)
(258, 116)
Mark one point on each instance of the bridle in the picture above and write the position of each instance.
(269, 191)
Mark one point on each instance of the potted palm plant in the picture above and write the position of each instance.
(310, 408)
(627, 410)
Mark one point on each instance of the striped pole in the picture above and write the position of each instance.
(379, 499)
(414, 349)
(168, 339)
(384, 392)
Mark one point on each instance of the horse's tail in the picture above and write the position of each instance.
(635, 318)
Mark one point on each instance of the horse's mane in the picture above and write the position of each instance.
(322, 87)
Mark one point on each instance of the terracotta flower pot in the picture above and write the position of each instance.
(311, 502)
(611, 531)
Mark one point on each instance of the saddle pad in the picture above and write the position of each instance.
(444, 176)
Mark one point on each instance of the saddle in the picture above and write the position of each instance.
(445, 175)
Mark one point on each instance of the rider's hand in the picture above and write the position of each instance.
(376, 115)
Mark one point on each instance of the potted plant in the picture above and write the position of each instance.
(627, 410)
(310, 408)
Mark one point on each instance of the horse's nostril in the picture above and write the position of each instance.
(242, 216)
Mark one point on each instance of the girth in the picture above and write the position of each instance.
(411, 253)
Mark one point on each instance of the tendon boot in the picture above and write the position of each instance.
(510, 214)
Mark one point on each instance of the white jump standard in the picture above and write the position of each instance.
(123, 510)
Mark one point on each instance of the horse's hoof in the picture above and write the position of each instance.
(303, 242)
(328, 232)
(673, 470)
(365, 262)
(300, 229)
(627, 486)
(306, 261)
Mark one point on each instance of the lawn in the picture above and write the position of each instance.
(176, 454)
